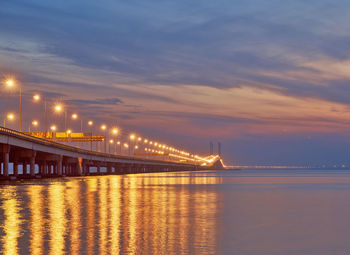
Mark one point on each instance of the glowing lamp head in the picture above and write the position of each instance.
(111, 141)
(145, 141)
(90, 123)
(53, 128)
(36, 97)
(35, 123)
(74, 116)
(139, 139)
(10, 116)
(10, 83)
(115, 131)
(58, 108)
(69, 131)
(132, 137)
(103, 127)
(136, 147)
(126, 145)
(118, 142)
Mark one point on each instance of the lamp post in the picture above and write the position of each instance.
(115, 132)
(11, 83)
(35, 123)
(104, 128)
(90, 123)
(10, 117)
(131, 138)
(37, 98)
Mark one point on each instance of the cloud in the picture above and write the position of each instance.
(101, 101)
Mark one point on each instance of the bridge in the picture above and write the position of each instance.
(26, 156)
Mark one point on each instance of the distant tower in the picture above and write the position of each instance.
(211, 148)
(219, 149)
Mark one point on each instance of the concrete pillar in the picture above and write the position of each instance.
(32, 166)
(80, 167)
(15, 168)
(109, 169)
(59, 165)
(6, 156)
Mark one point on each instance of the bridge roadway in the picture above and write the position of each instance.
(39, 158)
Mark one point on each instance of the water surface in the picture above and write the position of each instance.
(213, 212)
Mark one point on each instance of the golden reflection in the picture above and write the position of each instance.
(103, 215)
(131, 214)
(73, 201)
(115, 212)
(12, 220)
(37, 219)
(57, 220)
(91, 200)
(132, 210)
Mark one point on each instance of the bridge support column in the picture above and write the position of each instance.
(6, 159)
(32, 164)
(15, 168)
(79, 167)
(109, 168)
(59, 165)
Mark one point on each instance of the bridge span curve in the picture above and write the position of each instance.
(24, 156)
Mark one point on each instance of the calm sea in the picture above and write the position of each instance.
(213, 212)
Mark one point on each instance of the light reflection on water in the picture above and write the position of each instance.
(253, 212)
(164, 213)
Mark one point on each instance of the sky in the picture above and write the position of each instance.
(268, 79)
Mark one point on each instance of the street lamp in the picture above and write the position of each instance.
(109, 146)
(11, 83)
(9, 117)
(90, 123)
(37, 98)
(104, 128)
(131, 138)
(35, 123)
(58, 109)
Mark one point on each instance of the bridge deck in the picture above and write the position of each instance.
(37, 157)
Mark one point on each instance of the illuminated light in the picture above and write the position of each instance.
(115, 131)
(136, 147)
(74, 116)
(58, 108)
(145, 141)
(164, 146)
(139, 139)
(150, 142)
(132, 136)
(155, 144)
(111, 141)
(53, 128)
(10, 116)
(35, 123)
(90, 123)
(10, 83)
(69, 131)
(126, 145)
(103, 127)
(118, 142)
(36, 97)
(160, 146)
(145, 149)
